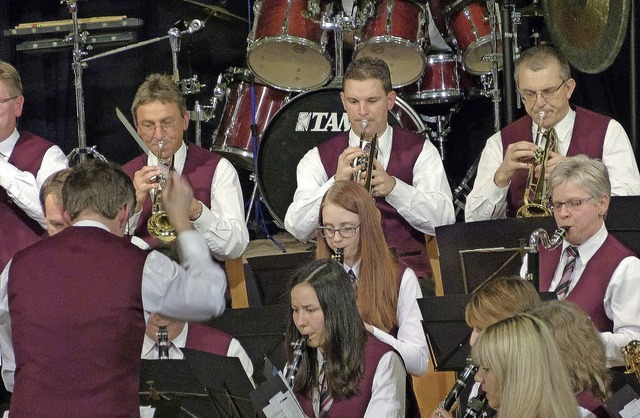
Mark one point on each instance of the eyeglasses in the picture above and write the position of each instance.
(345, 231)
(3, 101)
(547, 94)
(165, 126)
(571, 205)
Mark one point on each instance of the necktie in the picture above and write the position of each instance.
(325, 395)
(367, 148)
(563, 287)
(352, 276)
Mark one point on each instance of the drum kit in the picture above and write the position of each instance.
(287, 101)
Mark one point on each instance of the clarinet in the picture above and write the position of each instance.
(461, 383)
(338, 256)
(478, 408)
(292, 369)
(163, 343)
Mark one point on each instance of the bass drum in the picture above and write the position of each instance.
(303, 123)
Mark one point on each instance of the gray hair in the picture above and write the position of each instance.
(590, 174)
(539, 57)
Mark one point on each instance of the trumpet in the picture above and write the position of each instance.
(163, 343)
(536, 199)
(158, 224)
(365, 161)
(631, 353)
(461, 382)
(533, 262)
(292, 369)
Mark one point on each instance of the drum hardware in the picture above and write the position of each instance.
(217, 11)
(338, 24)
(443, 128)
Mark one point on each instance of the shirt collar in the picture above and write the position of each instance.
(88, 222)
(179, 158)
(564, 128)
(148, 345)
(6, 146)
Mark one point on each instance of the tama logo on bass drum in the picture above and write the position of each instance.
(322, 122)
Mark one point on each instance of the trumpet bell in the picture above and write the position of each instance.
(160, 228)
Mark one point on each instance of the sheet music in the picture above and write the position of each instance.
(631, 410)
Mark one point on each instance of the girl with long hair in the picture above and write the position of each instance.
(387, 290)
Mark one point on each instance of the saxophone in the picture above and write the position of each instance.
(158, 224)
(536, 199)
(533, 262)
(163, 343)
(631, 353)
(292, 369)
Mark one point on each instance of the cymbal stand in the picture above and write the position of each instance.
(79, 38)
(508, 84)
(494, 93)
(443, 128)
(338, 24)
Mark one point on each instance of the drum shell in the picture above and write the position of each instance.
(287, 46)
(305, 122)
(399, 35)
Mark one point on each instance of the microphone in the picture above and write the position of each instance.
(195, 25)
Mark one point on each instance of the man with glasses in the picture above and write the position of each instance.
(592, 268)
(26, 160)
(543, 79)
(217, 209)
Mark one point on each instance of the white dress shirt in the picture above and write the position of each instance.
(150, 351)
(21, 186)
(425, 204)
(195, 292)
(222, 226)
(621, 299)
(411, 342)
(388, 390)
(488, 201)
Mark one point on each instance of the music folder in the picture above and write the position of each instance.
(274, 399)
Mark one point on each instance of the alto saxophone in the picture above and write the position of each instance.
(631, 353)
(158, 224)
(292, 369)
(536, 199)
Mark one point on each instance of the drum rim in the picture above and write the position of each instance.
(473, 45)
(401, 103)
(400, 41)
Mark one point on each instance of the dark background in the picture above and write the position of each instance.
(50, 108)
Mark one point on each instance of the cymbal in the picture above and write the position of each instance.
(590, 33)
(217, 11)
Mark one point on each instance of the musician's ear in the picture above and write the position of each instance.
(391, 100)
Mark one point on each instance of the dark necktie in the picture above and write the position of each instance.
(352, 276)
(562, 290)
(325, 395)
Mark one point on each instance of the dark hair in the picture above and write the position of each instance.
(345, 334)
(368, 68)
(97, 186)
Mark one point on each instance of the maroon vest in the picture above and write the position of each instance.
(588, 401)
(199, 168)
(405, 149)
(77, 325)
(587, 138)
(588, 294)
(27, 156)
(204, 338)
(356, 405)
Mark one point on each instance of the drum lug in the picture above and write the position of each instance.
(389, 25)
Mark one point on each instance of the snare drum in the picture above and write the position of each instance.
(398, 33)
(287, 45)
(233, 138)
(305, 122)
(471, 29)
(440, 82)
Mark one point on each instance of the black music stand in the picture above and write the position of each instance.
(471, 253)
(171, 386)
(261, 331)
(273, 273)
(623, 221)
(227, 384)
(446, 330)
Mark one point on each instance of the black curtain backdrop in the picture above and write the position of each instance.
(50, 109)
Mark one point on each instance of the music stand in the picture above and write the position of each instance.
(273, 273)
(226, 382)
(261, 331)
(471, 253)
(171, 386)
